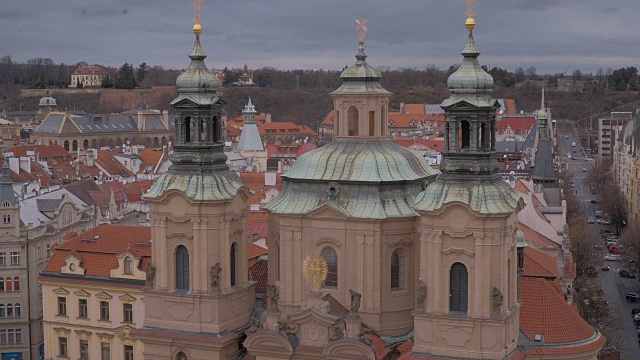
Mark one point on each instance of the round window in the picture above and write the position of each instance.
(72, 267)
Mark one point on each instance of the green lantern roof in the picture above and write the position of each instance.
(470, 78)
(198, 81)
(47, 100)
(361, 78)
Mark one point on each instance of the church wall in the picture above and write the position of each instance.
(364, 104)
(363, 248)
(486, 245)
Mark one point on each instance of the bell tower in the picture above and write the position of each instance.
(198, 294)
(361, 103)
(468, 225)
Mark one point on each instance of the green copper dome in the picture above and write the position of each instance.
(361, 78)
(470, 78)
(47, 100)
(361, 161)
(197, 78)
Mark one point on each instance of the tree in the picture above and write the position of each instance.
(582, 246)
(631, 241)
(126, 77)
(552, 82)
(519, 75)
(106, 82)
(532, 73)
(577, 75)
(142, 71)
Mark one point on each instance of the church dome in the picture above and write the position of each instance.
(197, 78)
(361, 161)
(47, 100)
(470, 78)
(361, 78)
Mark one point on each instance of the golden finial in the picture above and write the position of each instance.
(471, 22)
(314, 269)
(361, 28)
(197, 7)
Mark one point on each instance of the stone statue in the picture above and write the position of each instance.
(336, 333)
(214, 275)
(273, 296)
(355, 301)
(365, 335)
(284, 328)
(422, 293)
(496, 300)
(255, 325)
(151, 274)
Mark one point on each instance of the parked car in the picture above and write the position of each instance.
(603, 222)
(632, 297)
(605, 268)
(635, 311)
(625, 274)
(611, 243)
(590, 220)
(612, 257)
(584, 169)
(599, 213)
(597, 246)
(593, 201)
(616, 249)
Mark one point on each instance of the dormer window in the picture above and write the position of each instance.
(6, 204)
(128, 266)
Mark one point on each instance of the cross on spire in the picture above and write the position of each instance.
(470, 13)
(361, 28)
(197, 7)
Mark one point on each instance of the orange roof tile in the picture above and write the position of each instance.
(255, 251)
(397, 120)
(539, 240)
(99, 257)
(44, 151)
(259, 272)
(519, 124)
(329, 119)
(260, 227)
(539, 264)
(111, 165)
(545, 311)
(285, 128)
(255, 182)
(149, 157)
(415, 109)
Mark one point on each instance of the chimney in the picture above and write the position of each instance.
(91, 157)
(140, 121)
(268, 116)
(25, 164)
(402, 108)
(165, 118)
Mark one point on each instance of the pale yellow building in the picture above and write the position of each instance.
(93, 298)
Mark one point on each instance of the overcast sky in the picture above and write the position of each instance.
(552, 35)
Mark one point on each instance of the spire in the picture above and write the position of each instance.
(250, 139)
(6, 185)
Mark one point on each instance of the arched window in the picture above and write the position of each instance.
(182, 268)
(331, 258)
(8, 284)
(397, 270)
(372, 123)
(233, 261)
(3, 312)
(156, 142)
(447, 137)
(6, 204)
(128, 266)
(75, 145)
(459, 288)
(181, 356)
(9, 310)
(465, 128)
(94, 144)
(66, 145)
(483, 137)
(2, 285)
(16, 310)
(383, 121)
(187, 129)
(85, 144)
(16, 284)
(353, 121)
(215, 133)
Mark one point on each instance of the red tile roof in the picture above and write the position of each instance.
(519, 124)
(539, 264)
(539, 240)
(259, 272)
(238, 121)
(90, 70)
(285, 128)
(259, 227)
(111, 165)
(291, 149)
(416, 109)
(329, 119)
(413, 120)
(149, 157)
(255, 182)
(545, 311)
(255, 251)
(44, 151)
(36, 169)
(437, 145)
(99, 257)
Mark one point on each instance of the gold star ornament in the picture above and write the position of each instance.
(314, 269)
(361, 28)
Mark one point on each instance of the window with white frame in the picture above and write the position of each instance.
(15, 258)
(3, 258)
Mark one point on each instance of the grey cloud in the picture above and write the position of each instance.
(320, 33)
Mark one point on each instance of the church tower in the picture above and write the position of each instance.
(468, 217)
(9, 205)
(350, 203)
(250, 145)
(198, 294)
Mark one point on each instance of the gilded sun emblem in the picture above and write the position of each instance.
(315, 271)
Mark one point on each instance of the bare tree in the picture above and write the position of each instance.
(582, 246)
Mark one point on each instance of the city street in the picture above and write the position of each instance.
(615, 287)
